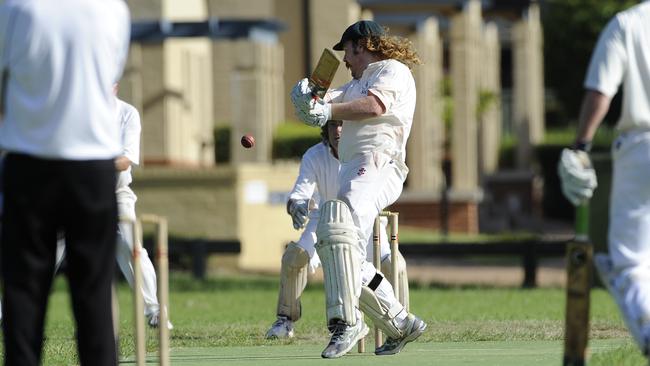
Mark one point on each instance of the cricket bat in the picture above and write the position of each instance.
(579, 255)
(321, 79)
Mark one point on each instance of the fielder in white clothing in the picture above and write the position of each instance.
(377, 109)
(621, 56)
(130, 128)
(129, 120)
(317, 182)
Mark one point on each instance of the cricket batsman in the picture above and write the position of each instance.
(317, 182)
(377, 109)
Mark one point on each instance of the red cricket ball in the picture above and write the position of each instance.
(247, 141)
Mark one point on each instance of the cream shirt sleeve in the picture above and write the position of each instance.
(608, 61)
(387, 83)
(305, 185)
(336, 95)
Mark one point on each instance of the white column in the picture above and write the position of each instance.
(424, 148)
(528, 84)
(465, 58)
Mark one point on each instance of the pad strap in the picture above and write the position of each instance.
(382, 313)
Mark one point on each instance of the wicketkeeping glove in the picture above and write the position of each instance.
(298, 209)
(577, 176)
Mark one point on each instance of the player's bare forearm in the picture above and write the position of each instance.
(594, 108)
(358, 109)
(122, 163)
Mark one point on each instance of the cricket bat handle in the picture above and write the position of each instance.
(582, 223)
(317, 91)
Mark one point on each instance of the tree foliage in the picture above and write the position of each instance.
(571, 29)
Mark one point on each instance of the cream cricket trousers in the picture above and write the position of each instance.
(126, 209)
(629, 221)
(368, 184)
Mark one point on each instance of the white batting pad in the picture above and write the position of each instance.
(338, 249)
(378, 302)
(402, 278)
(293, 279)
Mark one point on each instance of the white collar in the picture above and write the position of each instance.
(373, 66)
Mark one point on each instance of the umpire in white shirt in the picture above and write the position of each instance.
(58, 59)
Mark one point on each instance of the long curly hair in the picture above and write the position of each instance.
(395, 47)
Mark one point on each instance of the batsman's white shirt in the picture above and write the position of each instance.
(129, 122)
(57, 111)
(392, 82)
(622, 55)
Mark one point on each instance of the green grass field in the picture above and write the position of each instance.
(223, 320)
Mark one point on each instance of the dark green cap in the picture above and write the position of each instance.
(360, 29)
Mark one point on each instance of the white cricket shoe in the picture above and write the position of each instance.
(626, 294)
(414, 328)
(281, 328)
(154, 320)
(344, 337)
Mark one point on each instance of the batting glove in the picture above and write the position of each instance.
(318, 114)
(577, 176)
(298, 209)
(301, 95)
